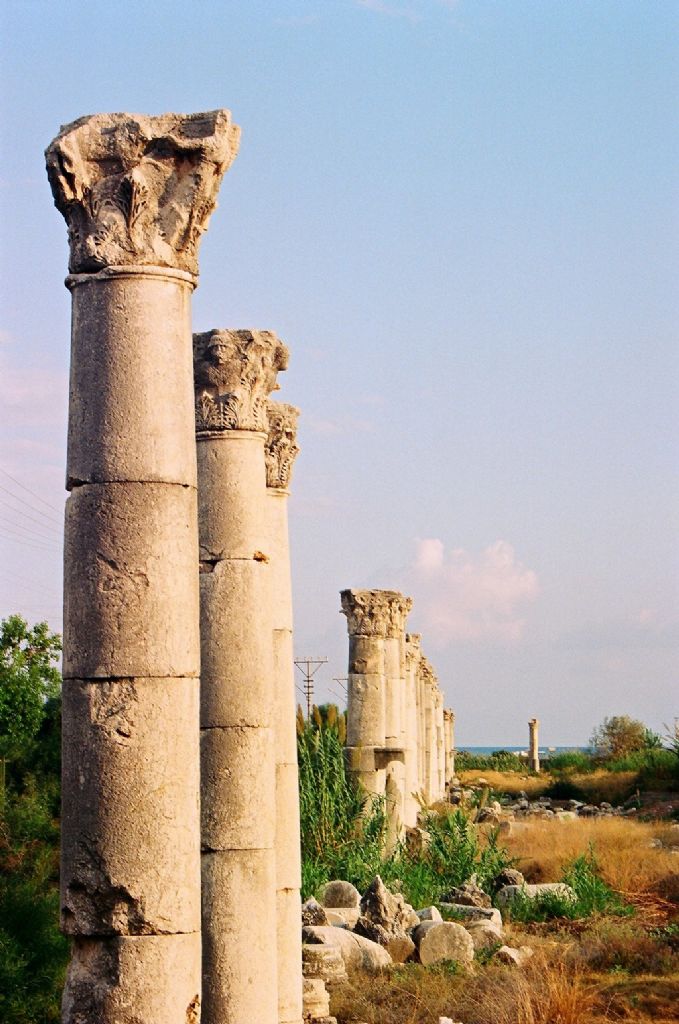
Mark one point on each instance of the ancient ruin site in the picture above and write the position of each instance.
(386, 736)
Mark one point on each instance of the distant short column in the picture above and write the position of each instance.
(533, 746)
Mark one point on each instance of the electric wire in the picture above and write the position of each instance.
(29, 531)
(20, 512)
(28, 491)
(50, 519)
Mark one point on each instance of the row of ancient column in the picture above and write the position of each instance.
(400, 739)
(180, 814)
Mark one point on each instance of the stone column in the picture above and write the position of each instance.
(533, 748)
(441, 745)
(449, 722)
(430, 765)
(367, 622)
(412, 773)
(235, 371)
(136, 193)
(397, 606)
(281, 451)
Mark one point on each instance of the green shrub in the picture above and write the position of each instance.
(33, 954)
(593, 896)
(498, 761)
(563, 789)
(570, 761)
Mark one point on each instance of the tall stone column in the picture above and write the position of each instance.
(367, 622)
(533, 746)
(441, 744)
(281, 451)
(413, 739)
(398, 607)
(136, 193)
(449, 723)
(235, 371)
(430, 765)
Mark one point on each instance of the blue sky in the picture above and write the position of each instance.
(462, 218)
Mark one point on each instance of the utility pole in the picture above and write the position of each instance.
(309, 667)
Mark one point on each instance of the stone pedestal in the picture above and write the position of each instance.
(281, 451)
(533, 745)
(136, 193)
(235, 371)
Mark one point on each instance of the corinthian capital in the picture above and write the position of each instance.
(427, 672)
(139, 190)
(399, 606)
(234, 373)
(281, 449)
(375, 612)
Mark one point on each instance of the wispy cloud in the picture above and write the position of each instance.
(391, 11)
(338, 425)
(461, 596)
(298, 20)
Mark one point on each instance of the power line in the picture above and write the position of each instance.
(20, 584)
(28, 491)
(20, 512)
(50, 519)
(29, 531)
(24, 540)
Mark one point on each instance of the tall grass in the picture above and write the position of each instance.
(343, 831)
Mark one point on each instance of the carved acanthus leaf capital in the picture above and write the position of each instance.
(139, 190)
(234, 373)
(449, 715)
(375, 612)
(281, 448)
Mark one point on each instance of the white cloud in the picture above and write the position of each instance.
(459, 596)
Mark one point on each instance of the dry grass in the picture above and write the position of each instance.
(602, 785)
(622, 847)
(594, 786)
(544, 992)
(509, 782)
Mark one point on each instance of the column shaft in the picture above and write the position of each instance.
(281, 450)
(234, 372)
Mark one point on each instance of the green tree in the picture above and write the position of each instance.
(618, 736)
(28, 679)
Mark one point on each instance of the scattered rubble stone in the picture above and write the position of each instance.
(341, 894)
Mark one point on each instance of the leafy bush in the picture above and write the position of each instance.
(617, 737)
(498, 761)
(33, 954)
(570, 761)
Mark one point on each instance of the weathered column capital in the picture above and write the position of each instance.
(281, 448)
(375, 612)
(399, 606)
(427, 672)
(234, 374)
(449, 714)
(138, 190)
